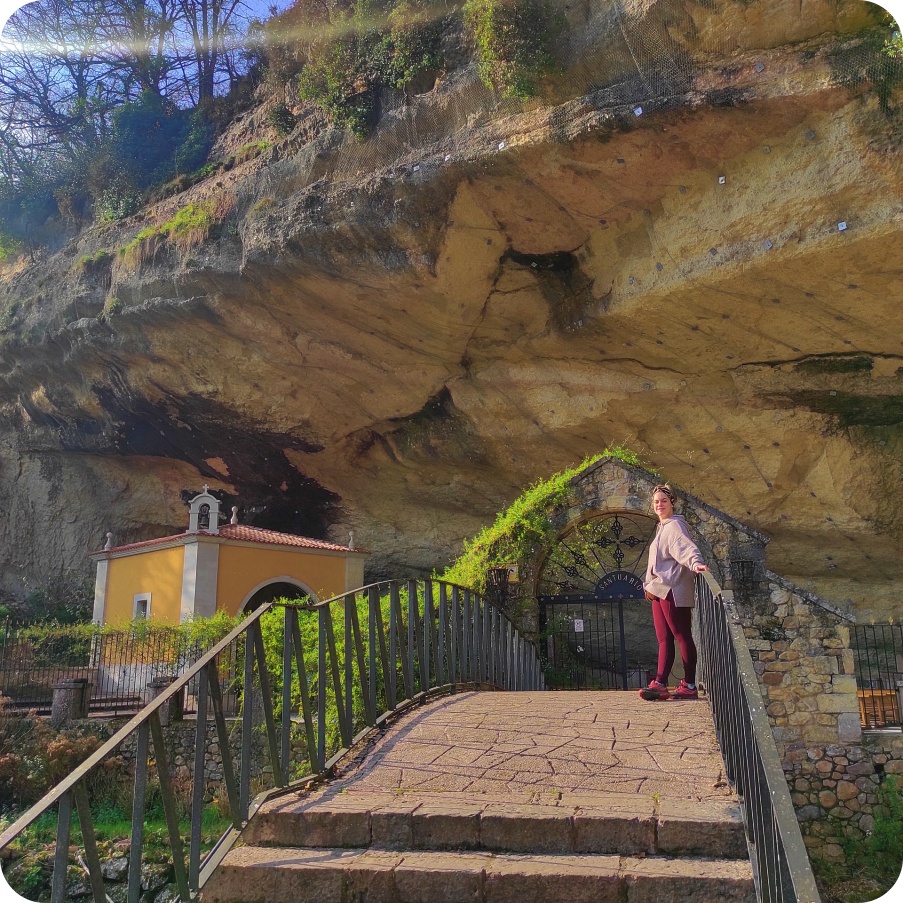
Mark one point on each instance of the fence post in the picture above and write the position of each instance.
(70, 701)
(174, 709)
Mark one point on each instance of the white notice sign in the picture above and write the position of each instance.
(578, 625)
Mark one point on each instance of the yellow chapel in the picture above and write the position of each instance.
(212, 567)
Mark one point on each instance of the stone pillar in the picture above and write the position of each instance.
(70, 701)
(174, 708)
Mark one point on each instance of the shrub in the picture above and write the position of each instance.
(117, 202)
(67, 598)
(335, 79)
(96, 265)
(282, 119)
(34, 757)
(364, 48)
(513, 40)
(112, 306)
(411, 45)
(9, 246)
(876, 57)
(251, 150)
(885, 845)
(8, 318)
(153, 139)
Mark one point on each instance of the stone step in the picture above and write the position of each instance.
(292, 875)
(625, 824)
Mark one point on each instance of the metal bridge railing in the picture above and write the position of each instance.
(780, 863)
(374, 651)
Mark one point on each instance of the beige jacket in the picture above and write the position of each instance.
(672, 557)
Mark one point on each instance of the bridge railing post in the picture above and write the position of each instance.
(442, 678)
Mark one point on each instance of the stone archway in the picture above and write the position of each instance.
(276, 588)
(606, 495)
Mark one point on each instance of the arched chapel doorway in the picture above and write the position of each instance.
(595, 625)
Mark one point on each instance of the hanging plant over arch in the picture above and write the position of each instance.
(520, 535)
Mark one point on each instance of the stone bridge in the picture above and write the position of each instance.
(508, 798)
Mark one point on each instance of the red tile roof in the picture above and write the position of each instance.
(242, 533)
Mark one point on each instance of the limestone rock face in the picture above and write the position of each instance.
(394, 336)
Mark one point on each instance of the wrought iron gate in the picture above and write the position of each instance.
(596, 625)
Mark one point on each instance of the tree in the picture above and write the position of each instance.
(214, 26)
(66, 69)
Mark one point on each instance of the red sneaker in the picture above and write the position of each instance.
(654, 691)
(684, 691)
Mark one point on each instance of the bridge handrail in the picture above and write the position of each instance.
(448, 639)
(780, 863)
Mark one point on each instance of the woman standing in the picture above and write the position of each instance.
(673, 560)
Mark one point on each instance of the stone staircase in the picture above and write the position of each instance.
(395, 828)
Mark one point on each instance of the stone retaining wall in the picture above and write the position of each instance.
(180, 741)
(802, 656)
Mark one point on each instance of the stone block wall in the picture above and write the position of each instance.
(835, 789)
(801, 652)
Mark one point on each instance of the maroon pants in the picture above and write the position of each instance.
(672, 622)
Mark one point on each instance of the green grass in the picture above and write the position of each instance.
(29, 869)
(186, 229)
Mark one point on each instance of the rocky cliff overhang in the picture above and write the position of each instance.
(694, 253)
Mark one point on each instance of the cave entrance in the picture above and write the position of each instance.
(596, 630)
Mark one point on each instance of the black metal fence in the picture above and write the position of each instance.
(780, 863)
(119, 666)
(878, 654)
(325, 673)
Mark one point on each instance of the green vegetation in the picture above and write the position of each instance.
(885, 845)
(185, 230)
(113, 306)
(67, 598)
(101, 258)
(251, 150)
(98, 109)
(33, 757)
(363, 46)
(9, 246)
(8, 317)
(850, 409)
(281, 118)
(514, 41)
(523, 528)
(261, 206)
(857, 363)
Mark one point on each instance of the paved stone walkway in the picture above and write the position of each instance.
(498, 797)
(532, 744)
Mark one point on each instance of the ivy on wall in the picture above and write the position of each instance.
(524, 528)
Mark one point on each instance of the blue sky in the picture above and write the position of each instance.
(260, 7)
